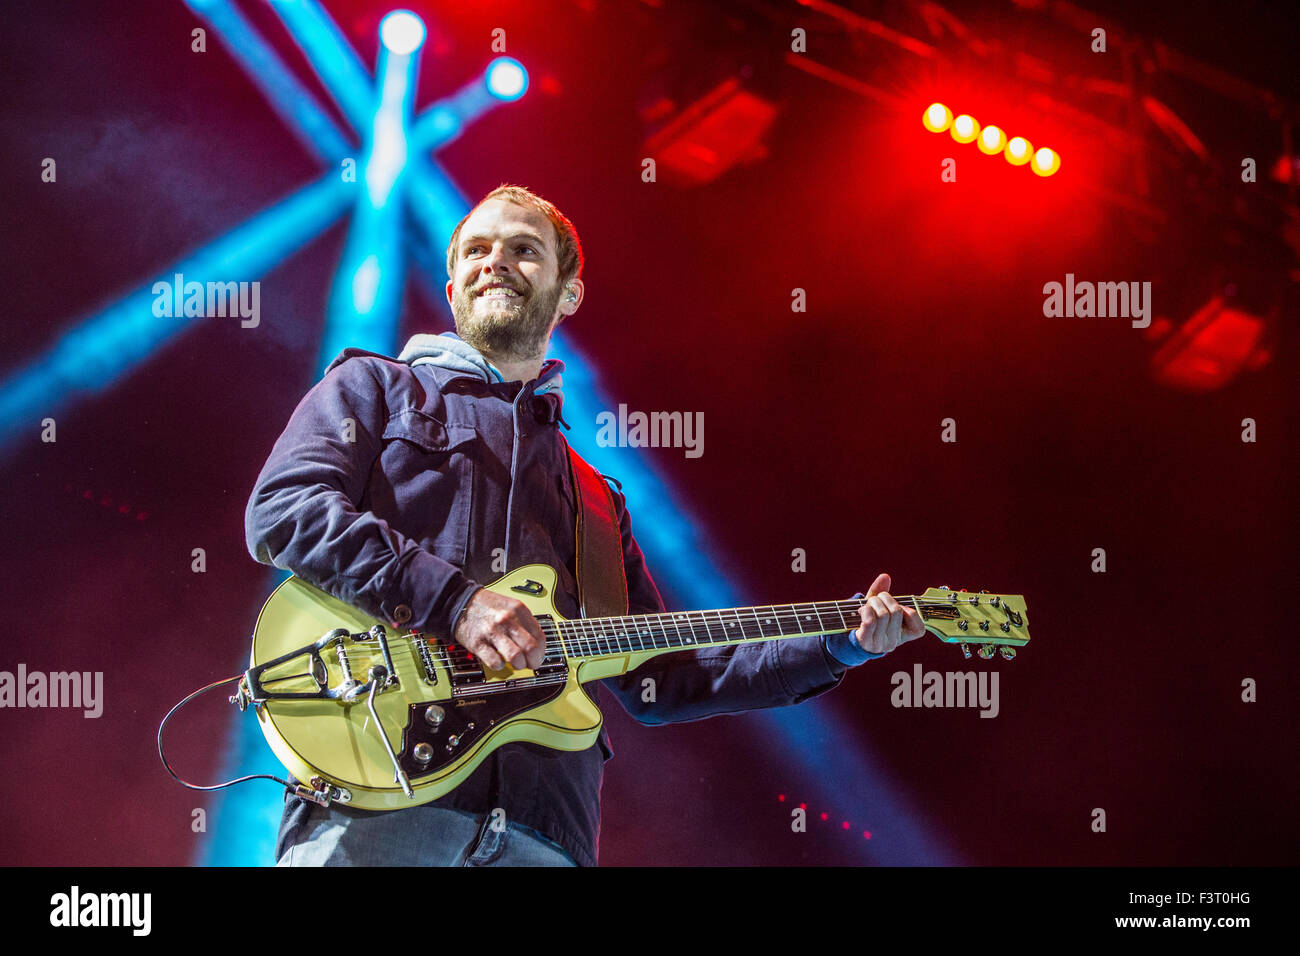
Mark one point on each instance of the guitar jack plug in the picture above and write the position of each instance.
(322, 793)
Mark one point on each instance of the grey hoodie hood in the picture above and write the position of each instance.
(448, 350)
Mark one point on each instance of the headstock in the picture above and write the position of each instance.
(997, 623)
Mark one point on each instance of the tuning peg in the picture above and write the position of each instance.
(986, 651)
(944, 587)
(1008, 653)
(965, 651)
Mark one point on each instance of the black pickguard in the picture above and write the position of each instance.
(483, 711)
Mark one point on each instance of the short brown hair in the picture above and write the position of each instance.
(569, 254)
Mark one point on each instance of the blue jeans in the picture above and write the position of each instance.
(416, 836)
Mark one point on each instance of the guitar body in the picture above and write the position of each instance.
(476, 712)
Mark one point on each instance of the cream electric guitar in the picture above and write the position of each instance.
(382, 719)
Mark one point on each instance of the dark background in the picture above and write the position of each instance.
(822, 428)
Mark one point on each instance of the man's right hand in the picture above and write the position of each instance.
(496, 629)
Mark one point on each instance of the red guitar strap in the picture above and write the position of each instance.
(598, 543)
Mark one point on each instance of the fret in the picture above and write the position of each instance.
(593, 637)
(851, 618)
(723, 630)
(715, 636)
(674, 637)
(608, 636)
(578, 635)
(636, 635)
(741, 622)
(693, 637)
(692, 623)
(648, 624)
(767, 626)
(788, 620)
(672, 619)
(603, 638)
(820, 623)
(626, 636)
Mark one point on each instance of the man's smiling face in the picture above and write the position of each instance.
(506, 291)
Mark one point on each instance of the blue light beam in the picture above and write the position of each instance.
(367, 295)
(127, 332)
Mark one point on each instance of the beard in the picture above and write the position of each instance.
(513, 329)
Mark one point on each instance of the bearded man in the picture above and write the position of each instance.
(401, 484)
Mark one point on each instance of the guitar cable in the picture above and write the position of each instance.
(228, 783)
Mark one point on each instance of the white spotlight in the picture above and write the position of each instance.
(402, 32)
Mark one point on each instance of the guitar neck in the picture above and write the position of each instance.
(595, 637)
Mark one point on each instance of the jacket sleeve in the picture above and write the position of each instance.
(707, 681)
(303, 513)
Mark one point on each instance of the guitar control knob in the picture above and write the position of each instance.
(1005, 626)
(1008, 653)
(984, 625)
(454, 740)
(961, 625)
(434, 715)
(423, 753)
(986, 651)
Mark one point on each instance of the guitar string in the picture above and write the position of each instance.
(587, 631)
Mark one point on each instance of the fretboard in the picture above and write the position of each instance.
(604, 636)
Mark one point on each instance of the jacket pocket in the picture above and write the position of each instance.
(425, 474)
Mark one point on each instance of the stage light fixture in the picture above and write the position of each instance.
(936, 117)
(402, 32)
(506, 78)
(965, 128)
(1046, 162)
(991, 140)
(1019, 151)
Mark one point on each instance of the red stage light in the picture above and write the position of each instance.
(992, 140)
(1018, 151)
(1046, 162)
(965, 128)
(936, 118)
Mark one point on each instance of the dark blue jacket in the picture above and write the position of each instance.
(401, 522)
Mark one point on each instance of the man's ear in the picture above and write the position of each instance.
(449, 288)
(571, 297)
